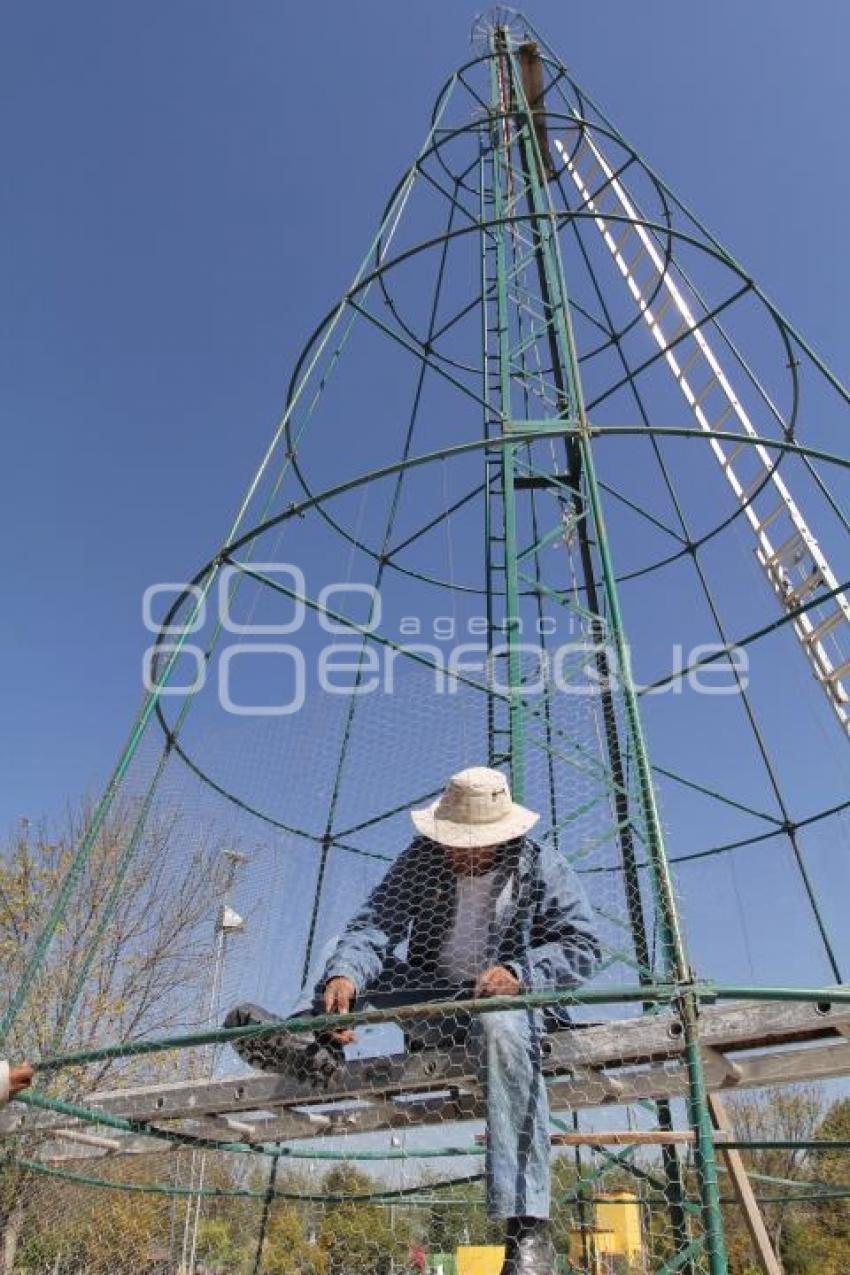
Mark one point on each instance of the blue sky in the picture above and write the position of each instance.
(187, 189)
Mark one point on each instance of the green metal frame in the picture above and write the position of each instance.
(509, 180)
(501, 198)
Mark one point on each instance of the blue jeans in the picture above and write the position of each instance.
(506, 1048)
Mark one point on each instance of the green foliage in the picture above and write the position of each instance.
(288, 1250)
(811, 1236)
(370, 1239)
(123, 963)
(219, 1244)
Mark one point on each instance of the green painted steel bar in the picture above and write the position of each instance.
(661, 993)
(83, 853)
(240, 1193)
(722, 251)
(717, 796)
(621, 1160)
(501, 175)
(832, 995)
(354, 700)
(489, 468)
(459, 449)
(564, 352)
(682, 1258)
(672, 938)
(267, 1212)
(151, 699)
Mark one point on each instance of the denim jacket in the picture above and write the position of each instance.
(542, 927)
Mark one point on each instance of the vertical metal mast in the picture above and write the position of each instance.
(503, 198)
(513, 123)
(535, 159)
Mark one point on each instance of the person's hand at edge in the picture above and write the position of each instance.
(497, 981)
(20, 1078)
(338, 995)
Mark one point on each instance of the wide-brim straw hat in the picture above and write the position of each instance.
(476, 809)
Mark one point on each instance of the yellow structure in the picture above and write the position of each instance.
(618, 1215)
(480, 1259)
(617, 1232)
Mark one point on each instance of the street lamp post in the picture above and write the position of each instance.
(228, 922)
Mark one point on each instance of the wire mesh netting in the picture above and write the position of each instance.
(280, 1026)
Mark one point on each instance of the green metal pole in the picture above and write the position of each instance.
(512, 625)
(532, 167)
(672, 938)
(489, 468)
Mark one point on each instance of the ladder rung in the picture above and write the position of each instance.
(753, 486)
(683, 327)
(705, 391)
(733, 455)
(721, 420)
(628, 229)
(781, 508)
(808, 586)
(648, 287)
(587, 178)
(784, 551)
(838, 673)
(689, 362)
(604, 197)
(825, 626)
(659, 314)
(630, 265)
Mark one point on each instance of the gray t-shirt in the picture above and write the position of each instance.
(464, 951)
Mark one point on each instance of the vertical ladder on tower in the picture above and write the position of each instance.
(786, 549)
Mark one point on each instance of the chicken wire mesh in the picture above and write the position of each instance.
(419, 581)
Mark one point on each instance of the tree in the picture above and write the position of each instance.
(358, 1237)
(125, 962)
(100, 1231)
(781, 1115)
(287, 1249)
(460, 1218)
(818, 1234)
(218, 1246)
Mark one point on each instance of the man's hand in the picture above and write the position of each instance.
(497, 981)
(338, 995)
(20, 1078)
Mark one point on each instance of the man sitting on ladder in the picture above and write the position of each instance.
(481, 911)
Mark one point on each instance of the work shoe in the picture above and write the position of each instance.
(528, 1247)
(302, 1055)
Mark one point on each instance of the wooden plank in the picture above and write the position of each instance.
(718, 1061)
(57, 1151)
(620, 1138)
(586, 1090)
(670, 1081)
(742, 1187)
(655, 1036)
(606, 1064)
